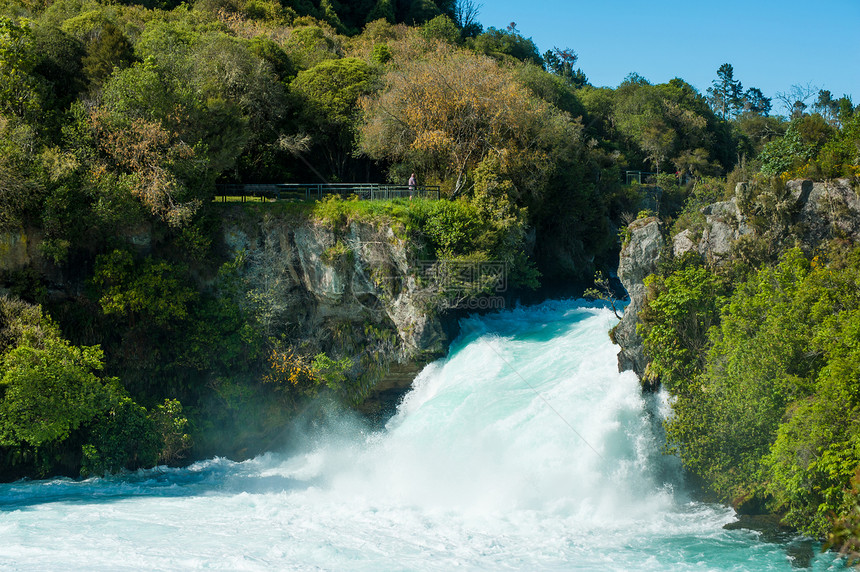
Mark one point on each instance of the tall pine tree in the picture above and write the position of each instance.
(726, 94)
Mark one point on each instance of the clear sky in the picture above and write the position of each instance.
(771, 44)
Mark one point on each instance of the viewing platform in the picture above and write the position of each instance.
(317, 191)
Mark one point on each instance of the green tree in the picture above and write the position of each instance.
(845, 109)
(755, 102)
(383, 9)
(48, 391)
(826, 106)
(665, 122)
(507, 43)
(153, 290)
(23, 322)
(19, 90)
(675, 323)
(551, 88)
(332, 88)
(560, 62)
(431, 114)
(441, 28)
(329, 14)
(726, 93)
(270, 51)
(106, 50)
(840, 157)
(244, 104)
(416, 12)
(309, 45)
(59, 67)
(121, 437)
(57, 414)
(330, 92)
(753, 132)
(788, 151)
(172, 426)
(21, 191)
(815, 456)
(727, 419)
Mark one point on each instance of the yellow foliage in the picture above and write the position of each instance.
(290, 367)
(805, 171)
(436, 141)
(146, 150)
(446, 111)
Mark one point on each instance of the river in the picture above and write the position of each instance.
(524, 449)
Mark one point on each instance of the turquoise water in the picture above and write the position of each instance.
(525, 449)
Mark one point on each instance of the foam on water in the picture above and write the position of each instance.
(524, 449)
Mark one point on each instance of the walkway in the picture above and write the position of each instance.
(306, 192)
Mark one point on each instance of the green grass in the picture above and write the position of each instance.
(401, 215)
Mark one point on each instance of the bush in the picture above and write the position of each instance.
(49, 391)
(771, 415)
(123, 437)
(675, 323)
(153, 289)
(441, 28)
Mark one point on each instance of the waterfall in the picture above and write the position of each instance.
(523, 449)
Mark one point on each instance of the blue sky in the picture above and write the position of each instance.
(771, 44)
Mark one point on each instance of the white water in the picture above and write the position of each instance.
(524, 450)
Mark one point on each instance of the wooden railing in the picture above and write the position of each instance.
(305, 192)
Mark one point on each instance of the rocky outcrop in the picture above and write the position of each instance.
(809, 213)
(639, 258)
(825, 210)
(20, 249)
(347, 289)
(350, 290)
(814, 213)
(724, 224)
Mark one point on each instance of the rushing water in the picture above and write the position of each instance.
(524, 449)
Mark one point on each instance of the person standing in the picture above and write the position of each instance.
(412, 186)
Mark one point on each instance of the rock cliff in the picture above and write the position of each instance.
(351, 290)
(825, 210)
(809, 213)
(19, 250)
(639, 258)
(724, 224)
(804, 212)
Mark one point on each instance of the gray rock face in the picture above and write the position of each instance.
(819, 211)
(684, 242)
(19, 250)
(826, 210)
(317, 280)
(639, 258)
(724, 224)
